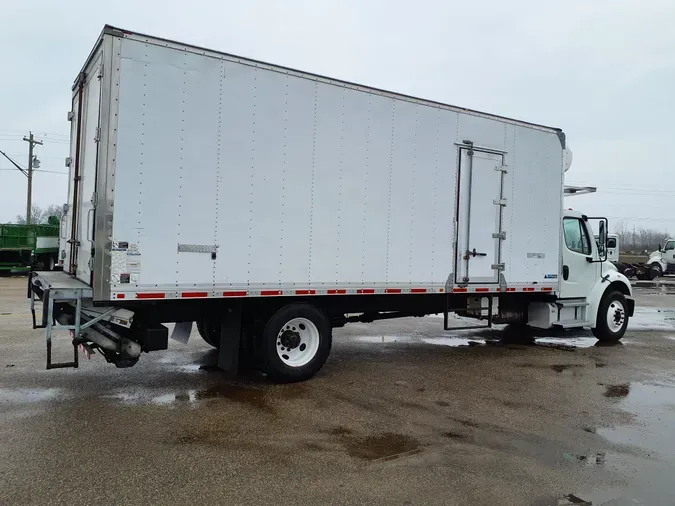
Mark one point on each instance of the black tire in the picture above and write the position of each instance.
(210, 332)
(655, 271)
(270, 339)
(615, 303)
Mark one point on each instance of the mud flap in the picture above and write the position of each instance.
(181, 332)
(630, 307)
(230, 340)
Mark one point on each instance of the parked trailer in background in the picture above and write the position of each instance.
(271, 205)
(23, 247)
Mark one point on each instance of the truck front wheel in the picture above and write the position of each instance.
(655, 271)
(295, 343)
(612, 319)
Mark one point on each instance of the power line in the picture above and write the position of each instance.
(642, 218)
(51, 171)
(42, 134)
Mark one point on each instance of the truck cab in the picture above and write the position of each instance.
(612, 247)
(662, 261)
(592, 291)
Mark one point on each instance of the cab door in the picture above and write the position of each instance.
(669, 256)
(579, 272)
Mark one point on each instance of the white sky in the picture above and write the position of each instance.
(603, 71)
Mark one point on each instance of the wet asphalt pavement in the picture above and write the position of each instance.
(403, 413)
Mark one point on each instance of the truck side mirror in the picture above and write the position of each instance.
(602, 241)
(659, 247)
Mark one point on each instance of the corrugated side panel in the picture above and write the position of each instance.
(293, 182)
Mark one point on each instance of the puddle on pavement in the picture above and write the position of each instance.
(381, 447)
(593, 459)
(451, 341)
(261, 398)
(648, 460)
(564, 367)
(494, 337)
(653, 406)
(384, 339)
(614, 391)
(577, 342)
(454, 435)
(568, 500)
(652, 319)
(30, 395)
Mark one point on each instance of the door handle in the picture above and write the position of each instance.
(566, 272)
(474, 254)
(88, 233)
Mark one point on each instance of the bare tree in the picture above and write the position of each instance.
(41, 215)
(639, 240)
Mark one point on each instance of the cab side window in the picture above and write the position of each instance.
(611, 242)
(576, 237)
(670, 245)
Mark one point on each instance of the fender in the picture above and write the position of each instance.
(611, 280)
(658, 259)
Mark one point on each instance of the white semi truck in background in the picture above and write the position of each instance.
(660, 262)
(271, 205)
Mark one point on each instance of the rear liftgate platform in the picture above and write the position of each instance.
(59, 287)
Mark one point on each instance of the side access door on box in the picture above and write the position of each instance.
(85, 136)
(479, 216)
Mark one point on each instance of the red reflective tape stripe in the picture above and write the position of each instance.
(365, 290)
(235, 294)
(510, 289)
(305, 292)
(418, 290)
(150, 295)
(459, 290)
(547, 289)
(333, 291)
(121, 295)
(528, 289)
(482, 289)
(189, 295)
(271, 292)
(392, 290)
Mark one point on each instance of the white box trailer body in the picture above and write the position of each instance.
(271, 205)
(205, 173)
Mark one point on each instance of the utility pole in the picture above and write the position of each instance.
(29, 197)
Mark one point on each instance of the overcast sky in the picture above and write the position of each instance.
(603, 71)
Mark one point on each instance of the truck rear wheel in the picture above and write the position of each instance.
(612, 319)
(210, 332)
(295, 343)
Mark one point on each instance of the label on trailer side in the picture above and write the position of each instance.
(125, 266)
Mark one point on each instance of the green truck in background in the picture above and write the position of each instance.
(26, 247)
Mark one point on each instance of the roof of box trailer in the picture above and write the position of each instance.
(111, 30)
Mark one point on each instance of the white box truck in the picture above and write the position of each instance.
(271, 205)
